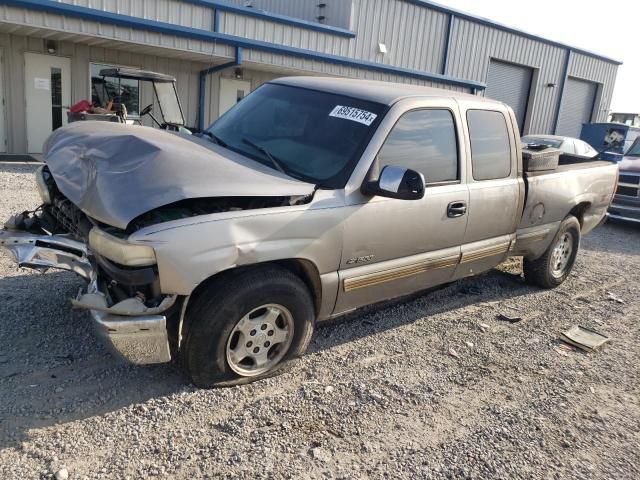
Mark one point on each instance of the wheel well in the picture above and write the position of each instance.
(578, 211)
(303, 269)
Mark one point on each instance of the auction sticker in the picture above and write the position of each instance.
(353, 114)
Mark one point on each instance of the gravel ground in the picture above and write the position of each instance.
(378, 395)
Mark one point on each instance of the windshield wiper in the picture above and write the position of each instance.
(276, 163)
(213, 137)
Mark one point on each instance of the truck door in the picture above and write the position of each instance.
(495, 199)
(395, 247)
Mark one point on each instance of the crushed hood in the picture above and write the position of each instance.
(115, 172)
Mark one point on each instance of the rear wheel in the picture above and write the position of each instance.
(555, 265)
(246, 326)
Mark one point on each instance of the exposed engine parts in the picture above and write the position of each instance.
(205, 206)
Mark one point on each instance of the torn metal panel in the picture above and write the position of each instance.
(42, 251)
(131, 307)
(115, 172)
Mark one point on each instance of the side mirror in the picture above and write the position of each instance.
(396, 182)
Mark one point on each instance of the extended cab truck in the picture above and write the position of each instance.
(310, 198)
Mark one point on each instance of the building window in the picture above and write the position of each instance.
(490, 149)
(118, 90)
(424, 141)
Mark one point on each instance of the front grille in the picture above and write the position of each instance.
(631, 179)
(69, 217)
(627, 191)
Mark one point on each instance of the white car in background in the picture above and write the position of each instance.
(572, 146)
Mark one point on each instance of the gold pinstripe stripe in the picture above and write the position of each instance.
(479, 254)
(398, 273)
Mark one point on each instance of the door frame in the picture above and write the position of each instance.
(220, 90)
(24, 84)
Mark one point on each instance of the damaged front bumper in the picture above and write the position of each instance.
(137, 332)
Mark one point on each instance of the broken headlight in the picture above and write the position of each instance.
(120, 251)
(43, 178)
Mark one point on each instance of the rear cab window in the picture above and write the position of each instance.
(490, 144)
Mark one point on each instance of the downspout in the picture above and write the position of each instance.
(563, 81)
(447, 45)
(203, 82)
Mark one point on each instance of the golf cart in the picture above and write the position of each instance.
(111, 94)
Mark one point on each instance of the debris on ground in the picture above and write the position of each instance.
(484, 327)
(564, 349)
(509, 318)
(614, 298)
(453, 353)
(584, 338)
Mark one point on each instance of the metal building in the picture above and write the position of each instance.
(219, 50)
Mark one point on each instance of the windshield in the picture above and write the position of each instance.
(634, 151)
(542, 141)
(314, 136)
(168, 100)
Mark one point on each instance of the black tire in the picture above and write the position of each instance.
(216, 311)
(544, 271)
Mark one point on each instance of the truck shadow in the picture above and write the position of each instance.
(495, 285)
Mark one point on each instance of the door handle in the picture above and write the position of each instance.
(456, 209)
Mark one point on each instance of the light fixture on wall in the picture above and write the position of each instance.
(52, 46)
(238, 73)
(551, 85)
(382, 48)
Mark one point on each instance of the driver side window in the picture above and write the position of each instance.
(424, 141)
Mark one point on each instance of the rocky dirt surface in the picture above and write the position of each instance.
(435, 386)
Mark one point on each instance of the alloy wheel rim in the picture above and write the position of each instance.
(561, 255)
(260, 340)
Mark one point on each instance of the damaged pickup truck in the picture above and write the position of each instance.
(310, 198)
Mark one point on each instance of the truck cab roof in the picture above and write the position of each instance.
(385, 93)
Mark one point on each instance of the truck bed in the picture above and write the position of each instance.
(583, 188)
(566, 165)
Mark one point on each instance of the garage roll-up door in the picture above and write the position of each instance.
(577, 106)
(510, 84)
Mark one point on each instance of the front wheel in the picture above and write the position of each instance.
(555, 265)
(247, 326)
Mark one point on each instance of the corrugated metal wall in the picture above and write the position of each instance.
(176, 12)
(179, 45)
(14, 47)
(415, 38)
(473, 45)
(336, 12)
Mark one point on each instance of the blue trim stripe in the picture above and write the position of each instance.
(92, 14)
(498, 26)
(273, 17)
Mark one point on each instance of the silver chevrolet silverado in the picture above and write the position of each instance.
(310, 198)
